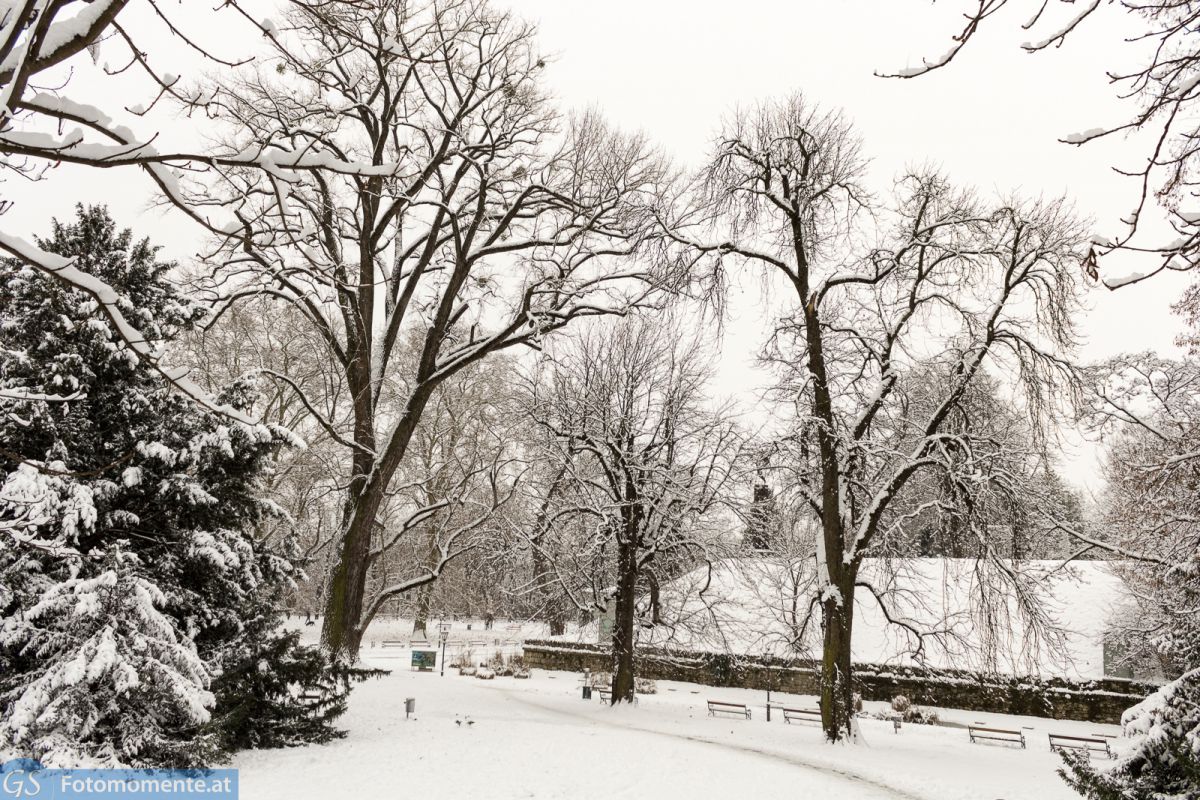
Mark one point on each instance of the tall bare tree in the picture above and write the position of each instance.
(961, 286)
(487, 222)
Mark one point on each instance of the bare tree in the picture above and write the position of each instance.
(52, 114)
(958, 285)
(488, 221)
(1149, 409)
(465, 432)
(1165, 91)
(646, 457)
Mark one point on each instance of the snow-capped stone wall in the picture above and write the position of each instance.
(1101, 700)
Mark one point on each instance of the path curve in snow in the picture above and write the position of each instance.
(847, 775)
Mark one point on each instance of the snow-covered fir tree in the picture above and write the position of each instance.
(139, 610)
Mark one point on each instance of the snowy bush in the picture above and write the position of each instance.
(280, 694)
(920, 716)
(499, 665)
(115, 679)
(645, 686)
(911, 713)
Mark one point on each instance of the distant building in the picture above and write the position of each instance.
(762, 521)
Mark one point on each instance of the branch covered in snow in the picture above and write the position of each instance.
(1166, 90)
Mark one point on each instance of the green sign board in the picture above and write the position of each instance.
(608, 621)
(424, 659)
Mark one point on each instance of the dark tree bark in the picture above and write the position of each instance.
(624, 624)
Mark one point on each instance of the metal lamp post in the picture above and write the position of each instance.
(767, 666)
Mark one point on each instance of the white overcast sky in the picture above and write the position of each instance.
(672, 69)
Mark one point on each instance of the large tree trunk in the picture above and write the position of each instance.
(341, 632)
(623, 625)
(837, 692)
(424, 602)
(553, 610)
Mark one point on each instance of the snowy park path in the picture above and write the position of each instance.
(536, 738)
(627, 720)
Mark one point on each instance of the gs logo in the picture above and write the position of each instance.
(19, 780)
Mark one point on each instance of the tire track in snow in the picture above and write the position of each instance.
(852, 777)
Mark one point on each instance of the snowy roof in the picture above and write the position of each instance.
(751, 605)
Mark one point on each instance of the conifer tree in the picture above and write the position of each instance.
(100, 457)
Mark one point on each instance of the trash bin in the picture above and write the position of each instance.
(410, 706)
(587, 693)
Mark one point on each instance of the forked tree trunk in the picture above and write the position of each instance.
(623, 624)
(342, 631)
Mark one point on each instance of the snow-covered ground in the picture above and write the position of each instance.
(538, 738)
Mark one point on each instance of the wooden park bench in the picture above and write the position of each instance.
(791, 715)
(1084, 744)
(310, 694)
(606, 696)
(977, 732)
(736, 709)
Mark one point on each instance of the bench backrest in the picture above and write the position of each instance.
(730, 705)
(974, 728)
(1086, 739)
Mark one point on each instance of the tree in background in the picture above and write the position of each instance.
(963, 286)
(646, 458)
(139, 595)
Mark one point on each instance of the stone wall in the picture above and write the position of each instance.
(1056, 698)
